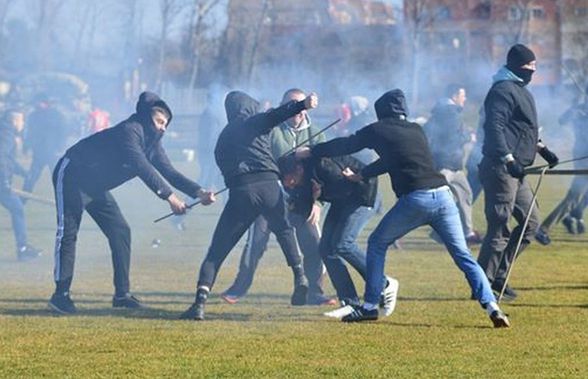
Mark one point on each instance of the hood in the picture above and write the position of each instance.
(147, 101)
(240, 106)
(504, 74)
(391, 104)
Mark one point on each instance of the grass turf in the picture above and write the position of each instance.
(436, 331)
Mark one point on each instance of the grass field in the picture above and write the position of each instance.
(436, 330)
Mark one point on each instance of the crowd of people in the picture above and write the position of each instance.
(284, 177)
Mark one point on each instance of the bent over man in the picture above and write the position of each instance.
(84, 177)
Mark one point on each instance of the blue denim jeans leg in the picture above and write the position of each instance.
(14, 205)
(424, 207)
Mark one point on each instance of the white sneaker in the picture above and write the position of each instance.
(340, 312)
(389, 296)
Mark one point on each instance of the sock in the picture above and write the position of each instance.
(491, 307)
(202, 294)
(370, 306)
(62, 286)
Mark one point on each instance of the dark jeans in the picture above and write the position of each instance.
(245, 204)
(308, 237)
(573, 203)
(37, 166)
(13, 204)
(71, 201)
(343, 223)
(505, 196)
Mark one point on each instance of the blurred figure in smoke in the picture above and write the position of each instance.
(11, 124)
(343, 112)
(98, 120)
(449, 139)
(46, 136)
(570, 211)
(511, 142)
(99, 163)
(210, 125)
(474, 158)
(284, 138)
(243, 154)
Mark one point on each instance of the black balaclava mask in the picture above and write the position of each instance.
(519, 55)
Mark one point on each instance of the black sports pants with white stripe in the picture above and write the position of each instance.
(71, 200)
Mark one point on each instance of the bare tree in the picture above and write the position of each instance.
(4, 8)
(201, 9)
(256, 38)
(48, 11)
(170, 9)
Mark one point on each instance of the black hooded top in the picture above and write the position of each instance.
(243, 151)
(109, 158)
(401, 145)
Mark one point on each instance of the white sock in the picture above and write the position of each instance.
(491, 307)
(370, 306)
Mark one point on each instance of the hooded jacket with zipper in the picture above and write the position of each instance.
(132, 148)
(510, 125)
(401, 145)
(243, 151)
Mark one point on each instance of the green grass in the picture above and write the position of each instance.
(435, 332)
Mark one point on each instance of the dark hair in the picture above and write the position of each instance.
(452, 89)
(288, 164)
(290, 92)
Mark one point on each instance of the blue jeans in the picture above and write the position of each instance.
(14, 205)
(424, 207)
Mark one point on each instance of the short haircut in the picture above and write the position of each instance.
(452, 89)
(288, 164)
(290, 92)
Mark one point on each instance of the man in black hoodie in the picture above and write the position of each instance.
(97, 164)
(511, 141)
(244, 156)
(424, 198)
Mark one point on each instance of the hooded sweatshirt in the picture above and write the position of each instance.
(510, 124)
(243, 151)
(109, 158)
(401, 146)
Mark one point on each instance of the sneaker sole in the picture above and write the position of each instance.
(55, 308)
(230, 299)
(340, 312)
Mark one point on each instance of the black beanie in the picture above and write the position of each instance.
(519, 55)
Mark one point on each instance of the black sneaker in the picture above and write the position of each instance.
(570, 223)
(361, 314)
(300, 291)
(195, 312)
(542, 237)
(509, 293)
(127, 301)
(499, 319)
(580, 226)
(28, 253)
(62, 304)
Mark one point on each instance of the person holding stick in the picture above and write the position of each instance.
(99, 163)
(244, 156)
(511, 143)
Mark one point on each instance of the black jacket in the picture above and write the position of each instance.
(447, 135)
(334, 186)
(8, 164)
(132, 148)
(243, 151)
(510, 126)
(401, 145)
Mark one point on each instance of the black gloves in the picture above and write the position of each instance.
(515, 169)
(549, 156)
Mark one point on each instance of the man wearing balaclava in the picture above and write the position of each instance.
(510, 144)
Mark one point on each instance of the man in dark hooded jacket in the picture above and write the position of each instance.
(244, 156)
(424, 198)
(511, 141)
(97, 164)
